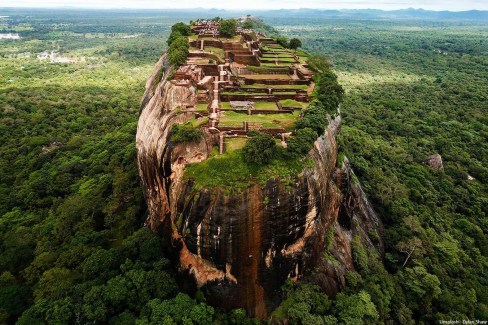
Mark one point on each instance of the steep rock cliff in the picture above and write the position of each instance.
(240, 248)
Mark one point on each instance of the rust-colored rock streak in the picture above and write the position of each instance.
(240, 248)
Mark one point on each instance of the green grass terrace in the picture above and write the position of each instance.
(263, 86)
(232, 172)
(279, 59)
(257, 105)
(245, 93)
(289, 103)
(283, 120)
(266, 76)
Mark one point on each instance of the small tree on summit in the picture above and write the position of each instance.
(248, 24)
(228, 27)
(178, 30)
(283, 41)
(260, 149)
(181, 28)
(295, 43)
(178, 51)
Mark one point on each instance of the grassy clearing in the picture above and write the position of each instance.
(265, 105)
(281, 69)
(202, 107)
(199, 121)
(225, 105)
(215, 50)
(257, 105)
(231, 172)
(274, 65)
(244, 93)
(293, 103)
(264, 120)
(266, 76)
(233, 144)
(280, 59)
(274, 55)
(301, 87)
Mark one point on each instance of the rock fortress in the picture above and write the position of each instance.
(239, 238)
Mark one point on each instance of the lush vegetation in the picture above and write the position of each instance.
(182, 133)
(228, 27)
(233, 171)
(260, 149)
(414, 89)
(178, 44)
(306, 304)
(295, 43)
(72, 245)
(283, 41)
(73, 248)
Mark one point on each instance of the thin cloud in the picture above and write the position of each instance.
(255, 4)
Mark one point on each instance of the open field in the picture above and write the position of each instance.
(232, 144)
(302, 87)
(265, 120)
(266, 76)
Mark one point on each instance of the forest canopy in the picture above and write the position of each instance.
(73, 247)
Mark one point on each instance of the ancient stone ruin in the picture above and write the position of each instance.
(248, 74)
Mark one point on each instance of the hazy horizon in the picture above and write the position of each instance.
(449, 5)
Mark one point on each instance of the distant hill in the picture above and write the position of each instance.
(382, 14)
(359, 14)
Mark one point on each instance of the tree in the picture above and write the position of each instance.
(302, 142)
(319, 62)
(13, 297)
(181, 309)
(94, 306)
(259, 149)
(228, 27)
(314, 117)
(178, 51)
(420, 286)
(54, 283)
(181, 28)
(295, 43)
(355, 309)
(248, 24)
(283, 41)
(183, 133)
(98, 263)
(178, 30)
(172, 37)
(412, 247)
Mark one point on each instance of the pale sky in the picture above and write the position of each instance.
(454, 5)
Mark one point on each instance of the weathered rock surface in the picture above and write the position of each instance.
(240, 248)
(434, 161)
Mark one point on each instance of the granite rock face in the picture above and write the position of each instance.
(240, 248)
(434, 161)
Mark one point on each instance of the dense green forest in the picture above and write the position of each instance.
(73, 248)
(415, 88)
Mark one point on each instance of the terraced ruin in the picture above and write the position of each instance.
(245, 82)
